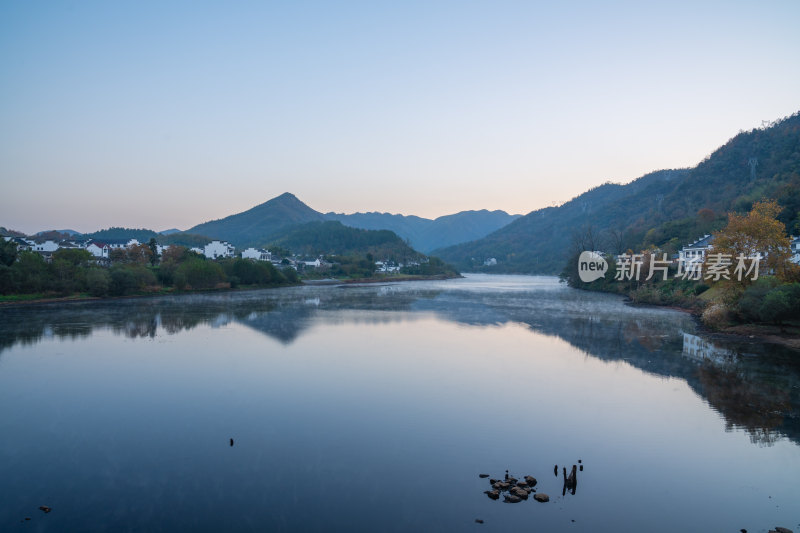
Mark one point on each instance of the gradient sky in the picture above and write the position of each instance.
(168, 114)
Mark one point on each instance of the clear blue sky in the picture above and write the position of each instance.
(168, 114)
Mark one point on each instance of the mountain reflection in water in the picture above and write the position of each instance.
(753, 386)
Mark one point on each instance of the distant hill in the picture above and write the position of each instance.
(5, 232)
(265, 222)
(334, 238)
(254, 226)
(169, 231)
(425, 234)
(117, 233)
(661, 209)
(70, 232)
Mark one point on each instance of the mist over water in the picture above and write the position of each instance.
(375, 407)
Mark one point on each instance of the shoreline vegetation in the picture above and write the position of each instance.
(71, 274)
(31, 299)
(764, 307)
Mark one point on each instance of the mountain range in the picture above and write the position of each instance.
(268, 222)
(661, 209)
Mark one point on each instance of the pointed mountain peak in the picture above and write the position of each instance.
(286, 196)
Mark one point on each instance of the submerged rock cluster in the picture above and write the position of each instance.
(512, 489)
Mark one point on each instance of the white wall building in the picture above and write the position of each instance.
(21, 242)
(257, 254)
(693, 255)
(217, 249)
(387, 266)
(98, 249)
(696, 252)
(46, 246)
(119, 244)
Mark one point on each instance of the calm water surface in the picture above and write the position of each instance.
(374, 408)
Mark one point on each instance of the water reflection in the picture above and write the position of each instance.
(753, 386)
(704, 351)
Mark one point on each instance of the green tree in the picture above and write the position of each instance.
(126, 279)
(98, 281)
(200, 274)
(776, 307)
(68, 269)
(8, 252)
(31, 273)
(153, 245)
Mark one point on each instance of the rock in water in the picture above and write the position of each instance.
(531, 481)
(44, 509)
(483, 476)
(519, 493)
(780, 529)
(493, 494)
(478, 521)
(541, 497)
(510, 498)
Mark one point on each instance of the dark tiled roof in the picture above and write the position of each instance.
(700, 243)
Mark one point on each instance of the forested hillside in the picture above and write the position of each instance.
(665, 208)
(425, 234)
(334, 238)
(252, 227)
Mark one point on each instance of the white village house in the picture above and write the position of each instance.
(387, 266)
(46, 246)
(693, 255)
(21, 242)
(119, 244)
(98, 249)
(697, 251)
(257, 254)
(795, 247)
(218, 249)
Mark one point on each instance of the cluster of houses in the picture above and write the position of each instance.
(101, 250)
(693, 255)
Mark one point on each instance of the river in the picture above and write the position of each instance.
(376, 407)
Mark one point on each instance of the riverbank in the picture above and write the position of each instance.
(36, 299)
(787, 335)
(33, 299)
(406, 277)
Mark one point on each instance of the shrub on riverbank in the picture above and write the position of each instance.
(73, 271)
(717, 316)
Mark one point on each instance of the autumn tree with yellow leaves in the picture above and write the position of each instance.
(758, 232)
